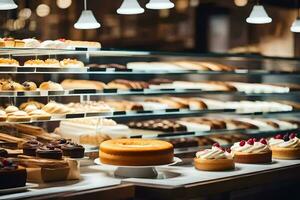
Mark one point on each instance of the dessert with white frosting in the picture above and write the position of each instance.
(214, 159)
(18, 116)
(39, 115)
(252, 151)
(285, 146)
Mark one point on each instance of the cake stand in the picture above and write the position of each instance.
(137, 171)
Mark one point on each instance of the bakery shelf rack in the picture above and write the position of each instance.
(117, 92)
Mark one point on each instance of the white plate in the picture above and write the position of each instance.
(175, 161)
(13, 190)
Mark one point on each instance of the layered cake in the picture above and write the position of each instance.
(285, 146)
(11, 174)
(252, 151)
(136, 152)
(214, 159)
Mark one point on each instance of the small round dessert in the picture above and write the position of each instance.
(29, 86)
(50, 152)
(73, 150)
(30, 147)
(214, 159)
(285, 147)
(136, 152)
(3, 153)
(51, 86)
(12, 86)
(252, 152)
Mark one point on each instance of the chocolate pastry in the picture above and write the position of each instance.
(30, 147)
(59, 142)
(30, 86)
(73, 150)
(3, 153)
(105, 66)
(158, 125)
(49, 151)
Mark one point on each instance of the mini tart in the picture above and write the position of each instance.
(30, 147)
(19, 116)
(286, 153)
(214, 164)
(253, 158)
(73, 150)
(73, 63)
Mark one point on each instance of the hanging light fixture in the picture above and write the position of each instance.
(258, 15)
(86, 20)
(159, 4)
(130, 7)
(296, 24)
(7, 5)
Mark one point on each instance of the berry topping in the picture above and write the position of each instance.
(263, 141)
(255, 139)
(293, 135)
(250, 141)
(242, 143)
(286, 137)
(5, 163)
(216, 145)
(62, 39)
(278, 136)
(228, 150)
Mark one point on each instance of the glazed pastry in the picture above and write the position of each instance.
(39, 115)
(3, 116)
(11, 109)
(52, 63)
(34, 63)
(252, 152)
(69, 84)
(29, 108)
(136, 152)
(285, 147)
(29, 86)
(9, 62)
(214, 159)
(56, 108)
(31, 43)
(51, 86)
(72, 150)
(12, 175)
(38, 105)
(12, 86)
(73, 63)
(18, 116)
(30, 147)
(50, 152)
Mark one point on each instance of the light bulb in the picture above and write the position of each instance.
(258, 15)
(130, 7)
(87, 20)
(296, 26)
(159, 4)
(7, 5)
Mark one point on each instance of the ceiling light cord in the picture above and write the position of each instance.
(85, 5)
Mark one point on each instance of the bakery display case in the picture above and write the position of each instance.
(65, 102)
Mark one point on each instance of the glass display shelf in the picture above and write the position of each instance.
(167, 113)
(118, 92)
(111, 71)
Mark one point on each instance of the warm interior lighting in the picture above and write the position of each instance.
(258, 15)
(130, 7)
(159, 4)
(87, 20)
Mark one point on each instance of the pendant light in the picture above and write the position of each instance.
(86, 20)
(130, 7)
(159, 4)
(296, 24)
(258, 15)
(7, 5)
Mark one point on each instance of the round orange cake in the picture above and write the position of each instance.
(136, 152)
